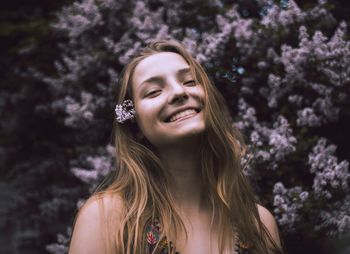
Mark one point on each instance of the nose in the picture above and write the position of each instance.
(178, 92)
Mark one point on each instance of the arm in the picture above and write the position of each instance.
(89, 233)
(270, 223)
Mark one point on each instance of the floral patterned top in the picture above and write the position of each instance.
(153, 247)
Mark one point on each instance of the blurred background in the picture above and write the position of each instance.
(282, 66)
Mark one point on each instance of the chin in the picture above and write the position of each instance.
(185, 133)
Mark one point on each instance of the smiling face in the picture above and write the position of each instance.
(167, 100)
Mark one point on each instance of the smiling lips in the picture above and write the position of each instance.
(182, 114)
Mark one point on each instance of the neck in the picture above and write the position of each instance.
(184, 167)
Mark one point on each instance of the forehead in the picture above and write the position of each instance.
(159, 64)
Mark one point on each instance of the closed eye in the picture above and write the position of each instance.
(152, 92)
(190, 81)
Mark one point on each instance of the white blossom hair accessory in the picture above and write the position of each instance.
(125, 111)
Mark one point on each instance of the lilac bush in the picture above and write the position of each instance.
(284, 70)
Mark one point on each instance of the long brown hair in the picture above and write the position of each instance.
(143, 184)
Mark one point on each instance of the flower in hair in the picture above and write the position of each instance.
(125, 111)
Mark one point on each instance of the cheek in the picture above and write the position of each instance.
(145, 115)
(200, 94)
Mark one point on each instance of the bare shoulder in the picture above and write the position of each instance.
(90, 226)
(269, 221)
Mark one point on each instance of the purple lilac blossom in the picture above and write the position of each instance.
(329, 174)
(287, 203)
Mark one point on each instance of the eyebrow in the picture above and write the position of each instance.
(159, 78)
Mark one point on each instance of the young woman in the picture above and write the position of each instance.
(178, 186)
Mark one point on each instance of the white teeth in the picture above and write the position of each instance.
(182, 114)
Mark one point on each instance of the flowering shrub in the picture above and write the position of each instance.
(284, 71)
